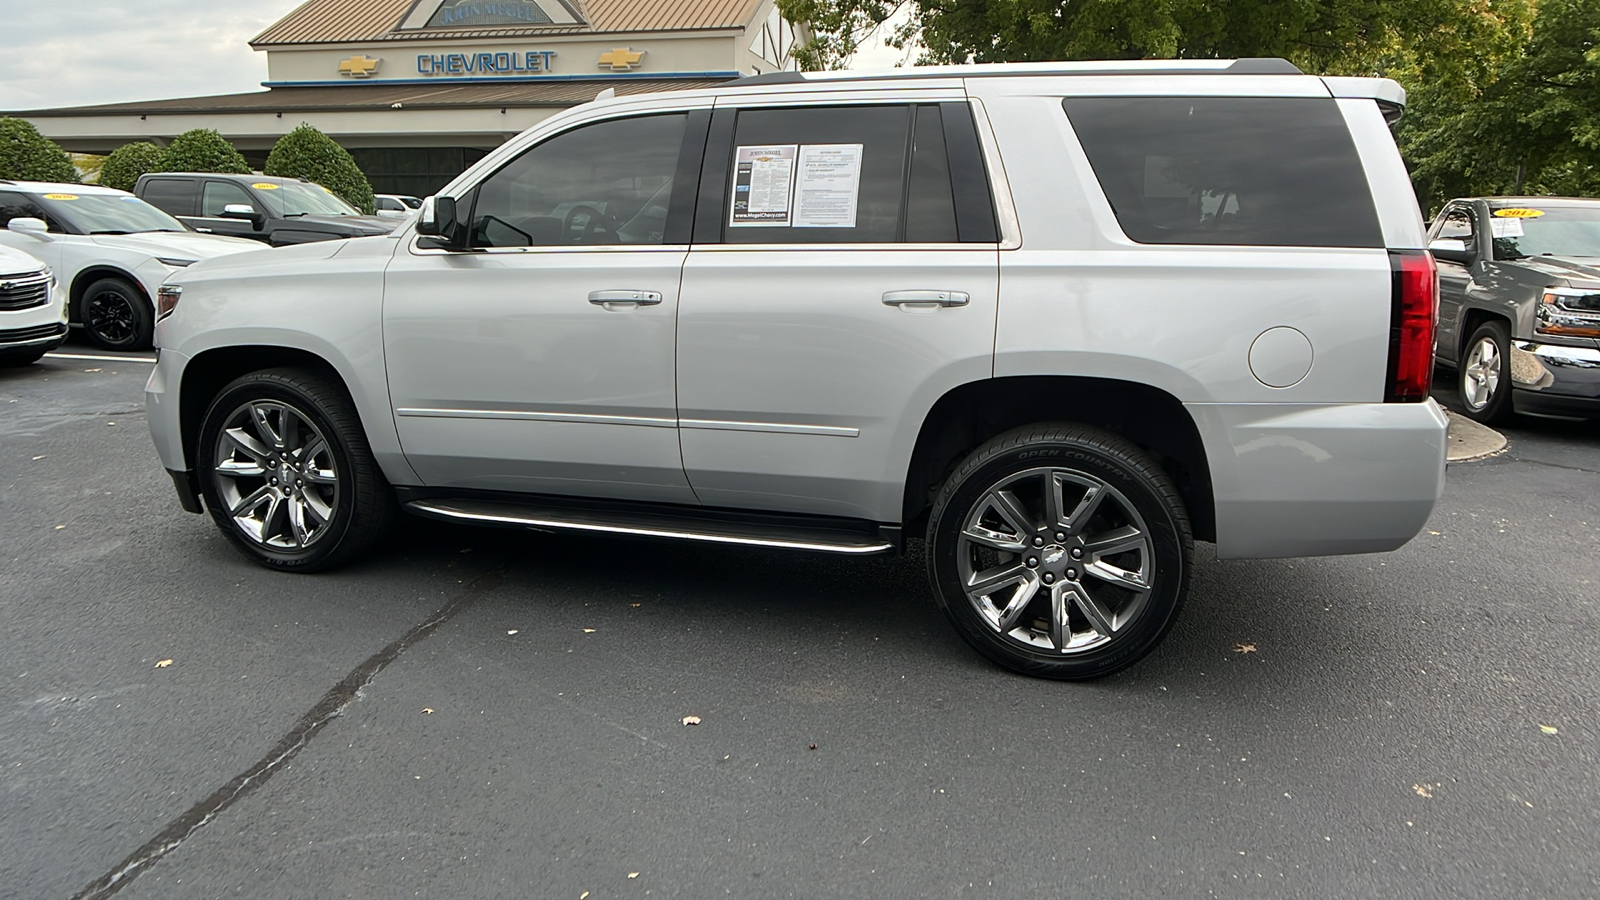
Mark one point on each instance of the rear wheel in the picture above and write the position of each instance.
(1060, 551)
(1485, 374)
(287, 473)
(116, 315)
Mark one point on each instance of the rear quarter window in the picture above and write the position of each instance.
(1255, 171)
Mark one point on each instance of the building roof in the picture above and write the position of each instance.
(378, 95)
(343, 21)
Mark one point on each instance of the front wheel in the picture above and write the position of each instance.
(1060, 551)
(1485, 374)
(287, 473)
(116, 315)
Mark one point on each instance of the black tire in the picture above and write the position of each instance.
(359, 506)
(1485, 386)
(21, 358)
(1143, 499)
(116, 315)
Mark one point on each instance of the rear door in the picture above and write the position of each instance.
(843, 277)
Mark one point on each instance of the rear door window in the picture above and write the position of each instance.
(173, 196)
(1257, 171)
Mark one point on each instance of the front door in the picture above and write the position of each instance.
(542, 360)
(1453, 280)
(839, 288)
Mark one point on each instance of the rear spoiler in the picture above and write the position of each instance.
(1389, 95)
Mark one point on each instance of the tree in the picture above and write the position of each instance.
(308, 153)
(123, 167)
(203, 150)
(27, 155)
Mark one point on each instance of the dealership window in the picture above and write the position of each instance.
(219, 194)
(1279, 171)
(606, 183)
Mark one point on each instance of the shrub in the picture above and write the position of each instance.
(308, 153)
(203, 150)
(123, 167)
(27, 155)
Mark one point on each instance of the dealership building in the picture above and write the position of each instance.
(417, 90)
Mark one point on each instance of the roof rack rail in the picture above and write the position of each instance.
(1264, 65)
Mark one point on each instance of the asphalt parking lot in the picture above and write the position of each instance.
(478, 713)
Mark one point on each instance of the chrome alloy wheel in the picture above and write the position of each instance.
(1056, 560)
(276, 475)
(1480, 374)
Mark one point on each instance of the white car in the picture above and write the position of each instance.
(33, 309)
(396, 206)
(110, 250)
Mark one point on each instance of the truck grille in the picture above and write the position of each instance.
(37, 333)
(25, 292)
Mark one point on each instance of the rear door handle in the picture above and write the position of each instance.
(624, 299)
(925, 298)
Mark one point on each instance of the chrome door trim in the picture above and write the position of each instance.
(535, 416)
(1005, 207)
(548, 248)
(769, 427)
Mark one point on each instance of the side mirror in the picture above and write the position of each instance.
(1452, 250)
(34, 228)
(437, 222)
(246, 212)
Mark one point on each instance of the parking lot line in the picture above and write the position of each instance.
(143, 359)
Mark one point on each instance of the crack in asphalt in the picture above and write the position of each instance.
(330, 707)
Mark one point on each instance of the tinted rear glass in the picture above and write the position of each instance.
(1259, 171)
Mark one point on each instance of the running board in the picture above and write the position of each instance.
(677, 524)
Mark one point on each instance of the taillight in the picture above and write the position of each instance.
(1415, 298)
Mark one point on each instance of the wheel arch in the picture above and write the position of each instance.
(1471, 318)
(1151, 418)
(208, 372)
(94, 272)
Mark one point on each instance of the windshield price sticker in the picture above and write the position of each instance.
(61, 196)
(264, 186)
(1505, 228)
(829, 186)
(1518, 213)
(763, 185)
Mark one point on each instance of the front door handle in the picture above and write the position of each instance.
(925, 298)
(624, 299)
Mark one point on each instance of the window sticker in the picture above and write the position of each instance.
(763, 185)
(264, 186)
(1505, 228)
(1518, 213)
(829, 186)
(61, 196)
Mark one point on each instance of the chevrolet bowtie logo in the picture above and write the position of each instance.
(621, 58)
(361, 66)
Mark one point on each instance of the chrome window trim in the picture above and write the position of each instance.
(544, 248)
(999, 184)
(844, 248)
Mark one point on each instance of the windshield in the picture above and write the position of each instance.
(298, 198)
(107, 213)
(1523, 231)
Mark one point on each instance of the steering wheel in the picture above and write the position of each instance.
(597, 224)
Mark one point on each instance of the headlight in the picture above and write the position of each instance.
(1568, 312)
(175, 263)
(167, 297)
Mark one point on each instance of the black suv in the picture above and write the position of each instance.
(275, 210)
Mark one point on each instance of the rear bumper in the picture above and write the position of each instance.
(1295, 480)
(1552, 380)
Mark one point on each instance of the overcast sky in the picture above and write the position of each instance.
(78, 52)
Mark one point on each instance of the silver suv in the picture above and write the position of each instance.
(1061, 320)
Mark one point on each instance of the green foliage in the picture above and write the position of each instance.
(203, 150)
(308, 153)
(123, 167)
(27, 155)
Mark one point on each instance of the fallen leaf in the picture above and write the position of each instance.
(588, 631)
(635, 605)
(1423, 790)
(633, 874)
(691, 720)
(1548, 729)
(812, 747)
(59, 527)
(163, 664)
(512, 631)
(427, 710)
(1244, 648)
(111, 423)
(91, 370)
(583, 895)
(1436, 532)
(37, 458)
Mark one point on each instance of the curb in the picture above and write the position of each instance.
(1470, 441)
